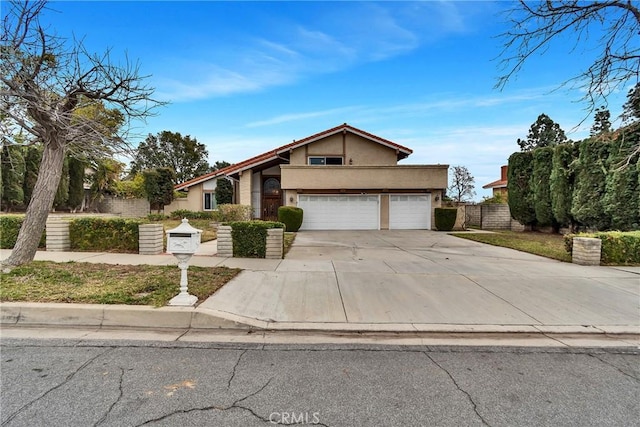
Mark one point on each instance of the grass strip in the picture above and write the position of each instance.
(73, 282)
(543, 244)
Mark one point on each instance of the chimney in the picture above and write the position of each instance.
(503, 172)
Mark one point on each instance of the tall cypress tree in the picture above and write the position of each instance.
(76, 183)
(31, 166)
(62, 195)
(542, 165)
(588, 196)
(561, 183)
(12, 165)
(622, 194)
(518, 185)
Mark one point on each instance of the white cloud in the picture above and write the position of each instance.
(330, 42)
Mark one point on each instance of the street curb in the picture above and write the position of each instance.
(104, 315)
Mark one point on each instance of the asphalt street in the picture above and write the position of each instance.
(135, 383)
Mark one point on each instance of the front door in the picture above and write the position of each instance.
(271, 198)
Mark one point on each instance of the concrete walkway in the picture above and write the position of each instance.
(381, 281)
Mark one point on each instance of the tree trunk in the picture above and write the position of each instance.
(41, 203)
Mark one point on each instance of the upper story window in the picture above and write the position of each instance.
(325, 160)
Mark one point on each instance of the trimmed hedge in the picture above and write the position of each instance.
(618, 248)
(104, 234)
(184, 213)
(250, 237)
(9, 229)
(291, 216)
(445, 218)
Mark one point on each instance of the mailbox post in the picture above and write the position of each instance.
(183, 241)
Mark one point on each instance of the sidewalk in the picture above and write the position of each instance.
(443, 292)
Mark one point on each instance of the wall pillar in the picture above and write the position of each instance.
(586, 251)
(275, 243)
(58, 235)
(225, 242)
(150, 240)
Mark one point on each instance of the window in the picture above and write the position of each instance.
(325, 160)
(209, 201)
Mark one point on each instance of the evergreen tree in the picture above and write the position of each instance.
(62, 194)
(224, 188)
(31, 166)
(540, 185)
(544, 132)
(561, 183)
(158, 185)
(520, 195)
(622, 195)
(590, 187)
(12, 164)
(76, 183)
(601, 122)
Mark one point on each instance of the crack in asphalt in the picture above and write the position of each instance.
(466, 393)
(54, 388)
(615, 367)
(120, 394)
(234, 405)
(233, 372)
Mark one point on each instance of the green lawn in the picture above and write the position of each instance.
(43, 281)
(544, 244)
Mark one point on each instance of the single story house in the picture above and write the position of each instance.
(499, 186)
(343, 178)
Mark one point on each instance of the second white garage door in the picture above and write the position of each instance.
(410, 212)
(339, 212)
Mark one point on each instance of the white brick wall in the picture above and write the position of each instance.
(150, 240)
(58, 235)
(225, 242)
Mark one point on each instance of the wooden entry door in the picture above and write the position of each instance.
(271, 198)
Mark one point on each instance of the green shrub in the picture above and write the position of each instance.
(183, 213)
(542, 165)
(561, 182)
(587, 205)
(445, 218)
(9, 229)
(157, 217)
(230, 213)
(291, 216)
(250, 237)
(104, 234)
(618, 248)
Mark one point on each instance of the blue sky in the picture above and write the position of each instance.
(246, 77)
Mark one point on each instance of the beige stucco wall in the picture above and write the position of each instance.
(245, 187)
(193, 201)
(364, 153)
(352, 147)
(364, 177)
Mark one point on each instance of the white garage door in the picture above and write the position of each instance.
(339, 212)
(410, 212)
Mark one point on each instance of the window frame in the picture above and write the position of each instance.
(324, 160)
(212, 201)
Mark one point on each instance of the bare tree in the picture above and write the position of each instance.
(614, 24)
(462, 184)
(43, 82)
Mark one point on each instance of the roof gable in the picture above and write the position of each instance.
(402, 152)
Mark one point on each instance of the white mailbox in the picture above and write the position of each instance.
(184, 239)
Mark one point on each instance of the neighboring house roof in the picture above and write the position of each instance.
(496, 184)
(275, 154)
(502, 182)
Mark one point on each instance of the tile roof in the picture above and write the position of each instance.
(496, 184)
(274, 154)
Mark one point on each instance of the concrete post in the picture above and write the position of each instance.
(150, 239)
(225, 243)
(58, 235)
(275, 243)
(586, 251)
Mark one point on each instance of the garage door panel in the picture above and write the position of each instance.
(339, 212)
(410, 212)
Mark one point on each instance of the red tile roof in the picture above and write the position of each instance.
(496, 184)
(274, 154)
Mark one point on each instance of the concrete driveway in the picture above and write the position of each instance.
(411, 280)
